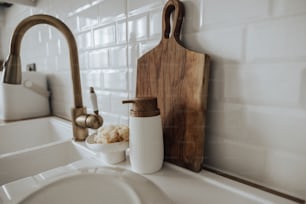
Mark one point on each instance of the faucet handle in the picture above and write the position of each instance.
(94, 101)
(93, 121)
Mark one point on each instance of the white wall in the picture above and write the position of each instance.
(256, 116)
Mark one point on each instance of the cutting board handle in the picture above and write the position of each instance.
(177, 8)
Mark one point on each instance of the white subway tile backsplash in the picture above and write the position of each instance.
(137, 28)
(132, 55)
(110, 119)
(278, 129)
(51, 49)
(99, 58)
(121, 32)
(146, 46)
(216, 85)
(63, 45)
(31, 36)
(227, 122)
(264, 84)
(67, 9)
(87, 18)
(277, 40)
(217, 73)
(63, 63)
(118, 57)
(116, 104)
(142, 4)
(302, 92)
(116, 80)
(288, 7)
(241, 158)
(286, 171)
(132, 74)
(94, 79)
(156, 23)
(52, 64)
(83, 60)
(85, 40)
(105, 36)
(104, 101)
(124, 120)
(221, 44)
(194, 12)
(111, 10)
(235, 11)
(216, 92)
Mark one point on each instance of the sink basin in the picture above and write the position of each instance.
(36, 160)
(21, 135)
(98, 185)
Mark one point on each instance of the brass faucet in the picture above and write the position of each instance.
(12, 72)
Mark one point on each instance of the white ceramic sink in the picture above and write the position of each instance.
(98, 185)
(36, 160)
(21, 135)
(40, 163)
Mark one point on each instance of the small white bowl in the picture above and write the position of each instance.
(112, 153)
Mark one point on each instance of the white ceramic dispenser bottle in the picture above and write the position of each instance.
(146, 136)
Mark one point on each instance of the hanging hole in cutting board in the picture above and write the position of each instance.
(173, 17)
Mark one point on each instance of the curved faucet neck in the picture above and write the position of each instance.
(12, 72)
(18, 34)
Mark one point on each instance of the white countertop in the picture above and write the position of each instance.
(181, 185)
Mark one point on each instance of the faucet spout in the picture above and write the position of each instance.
(12, 70)
(12, 66)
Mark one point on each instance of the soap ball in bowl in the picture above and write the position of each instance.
(112, 134)
(111, 141)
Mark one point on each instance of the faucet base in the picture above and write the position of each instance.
(79, 133)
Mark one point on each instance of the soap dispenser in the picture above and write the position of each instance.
(146, 136)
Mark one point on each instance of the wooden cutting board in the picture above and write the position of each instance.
(178, 77)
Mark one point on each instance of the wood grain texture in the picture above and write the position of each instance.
(1, 65)
(178, 77)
